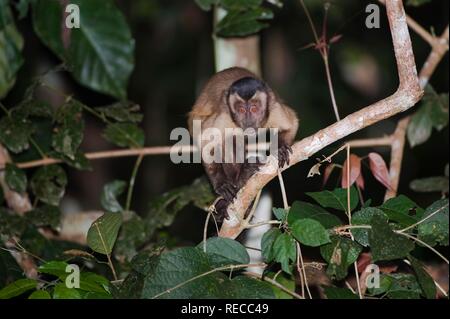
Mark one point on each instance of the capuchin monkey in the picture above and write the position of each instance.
(237, 99)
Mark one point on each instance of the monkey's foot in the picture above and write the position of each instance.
(228, 191)
(221, 209)
(283, 155)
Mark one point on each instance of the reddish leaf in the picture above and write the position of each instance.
(327, 173)
(360, 181)
(355, 170)
(379, 169)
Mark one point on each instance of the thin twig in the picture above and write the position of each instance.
(406, 261)
(349, 214)
(205, 230)
(132, 181)
(273, 282)
(422, 220)
(283, 191)
(301, 271)
(263, 223)
(424, 244)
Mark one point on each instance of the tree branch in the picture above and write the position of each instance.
(407, 95)
(20, 204)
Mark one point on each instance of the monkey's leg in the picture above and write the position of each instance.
(222, 185)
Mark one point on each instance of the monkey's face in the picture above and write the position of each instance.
(249, 113)
(248, 99)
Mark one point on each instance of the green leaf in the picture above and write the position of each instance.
(17, 288)
(40, 294)
(47, 21)
(336, 199)
(145, 262)
(432, 113)
(224, 251)
(284, 251)
(11, 44)
(242, 287)
(173, 276)
(103, 232)
(185, 273)
(31, 107)
(9, 268)
(280, 213)
(301, 210)
(240, 5)
(267, 241)
(339, 293)
(125, 135)
(430, 184)
(163, 209)
(310, 232)
(425, 280)
(385, 285)
(340, 254)
(285, 281)
(439, 110)
(404, 286)
(15, 134)
(242, 23)
(49, 183)
(131, 287)
(364, 217)
(420, 128)
(109, 196)
(434, 230)
(94, 283)
(131, 236)
(69, 133)
(62, 292)
(44, 216)
(11, 224)
(22, 7)
(402, 210)
(122, 112)
(15, 178)
(100, 54)
(384, 243)
(55, 268)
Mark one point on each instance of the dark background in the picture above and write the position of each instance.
(174, 57)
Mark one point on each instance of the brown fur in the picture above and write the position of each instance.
(212, 109)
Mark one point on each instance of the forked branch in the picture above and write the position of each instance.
(407, 95)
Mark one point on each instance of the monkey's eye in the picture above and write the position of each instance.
(242, 109)
(253, 109)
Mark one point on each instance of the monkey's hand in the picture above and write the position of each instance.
(227, 190)
(283, 155)
(221, 210)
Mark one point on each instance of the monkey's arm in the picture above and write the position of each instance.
(285, 119)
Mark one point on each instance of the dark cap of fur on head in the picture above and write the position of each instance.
(247, 87)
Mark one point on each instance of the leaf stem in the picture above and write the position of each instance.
(132, 181)
(229, 267)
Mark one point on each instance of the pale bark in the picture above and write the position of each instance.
(407, 95)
